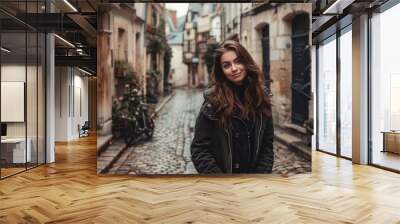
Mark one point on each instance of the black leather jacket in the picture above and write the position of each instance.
(211, 147)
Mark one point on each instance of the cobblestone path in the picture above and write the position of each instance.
(169, 150)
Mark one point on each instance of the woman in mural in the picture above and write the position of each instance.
(234, 129)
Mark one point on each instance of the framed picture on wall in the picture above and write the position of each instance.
(12, 101)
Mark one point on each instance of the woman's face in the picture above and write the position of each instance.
(233, 69)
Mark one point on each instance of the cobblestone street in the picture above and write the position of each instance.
(169, 150)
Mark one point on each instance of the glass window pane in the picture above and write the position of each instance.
(327, 97)
(41, 98)
(31, 97)
(14, 153)
(346, 94)
(385, 84)
(22, 76)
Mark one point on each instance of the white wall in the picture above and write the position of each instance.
(80, 83)
(203, 24)
(33, 126)
(180, 75)
(12, 73)
(71, 102)
(61, 103)
(140, 10)
(12, 101)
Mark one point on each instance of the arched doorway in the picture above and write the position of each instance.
(301, 65)
(265, 55)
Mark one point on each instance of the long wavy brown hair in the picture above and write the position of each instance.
(223, 97)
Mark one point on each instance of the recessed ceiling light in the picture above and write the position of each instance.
(86, 72)
(70, 5)
(337, 7)
(64, 40)
(5, 50)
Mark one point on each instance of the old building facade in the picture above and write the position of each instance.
(190, 56)
(277, 36)
(124, 33)
(156, 45)
(203, 25)
(116, 27)
(178, 75)
(231, 20)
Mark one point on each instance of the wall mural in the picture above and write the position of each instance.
(204, 88)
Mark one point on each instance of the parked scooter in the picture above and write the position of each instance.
(131, 118)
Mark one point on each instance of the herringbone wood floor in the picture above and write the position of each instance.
(69, 191)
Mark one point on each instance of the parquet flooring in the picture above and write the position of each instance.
(70, 191)
(10, 171)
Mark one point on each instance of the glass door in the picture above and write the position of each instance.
(14, 152)
(22, 77)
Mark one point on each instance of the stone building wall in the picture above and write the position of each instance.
(116, 41)
(280, 23)
(104, 79)
(180, 74)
